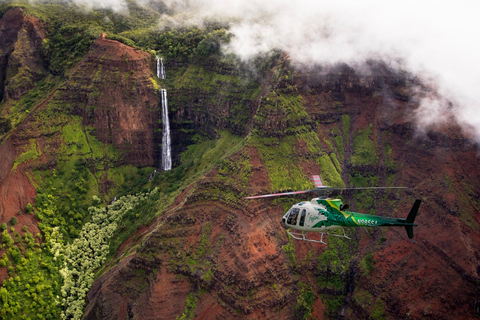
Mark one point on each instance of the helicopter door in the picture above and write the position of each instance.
(302, 217)
(292, 218)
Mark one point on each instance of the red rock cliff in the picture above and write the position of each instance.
(112, 89)
(21, 37)
(245, 269)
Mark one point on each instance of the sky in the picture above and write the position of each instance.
(435, 39)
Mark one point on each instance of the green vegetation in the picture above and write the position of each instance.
(367, 264)
(346, 128)
(363, 298)
(332, 271)
(331, 173)
(364, 171)
(33, 286)
(206, 153)
(289, 249)
(305, 301)
(190, 306)
(87, 253)
(378, 310)
(366, 301)
(195, 261)
(364, 152)
(31, 153)
(13, 221)
(220, 95)
(279, 156)
(189, 43)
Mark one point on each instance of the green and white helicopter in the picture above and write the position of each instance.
(324, 214)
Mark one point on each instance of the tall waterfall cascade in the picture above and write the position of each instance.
(166, 148)
(160, 68)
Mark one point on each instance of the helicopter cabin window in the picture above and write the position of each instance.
(302, 217)
(292, 218)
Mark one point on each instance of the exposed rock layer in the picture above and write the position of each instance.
(247, 274)
(21, 37)
(112, 89)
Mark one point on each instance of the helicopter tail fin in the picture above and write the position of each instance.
(411, 217)
(414, 211)
(409, 230)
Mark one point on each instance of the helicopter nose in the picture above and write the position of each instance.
(283, 223)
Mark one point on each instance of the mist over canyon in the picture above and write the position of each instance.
(428, 38)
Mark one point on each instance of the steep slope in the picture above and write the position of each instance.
(112, 89)
(230, 258)
(21, 37)
(209, 241)
(64, 156)
(436, 276)
(21, 66)
(99, 91)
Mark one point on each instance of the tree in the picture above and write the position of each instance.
(29, 208)
(209, 45)
(6, 238)
(4, 295)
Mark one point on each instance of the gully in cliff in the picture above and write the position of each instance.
(324, 214)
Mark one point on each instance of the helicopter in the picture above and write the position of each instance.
(322, 214)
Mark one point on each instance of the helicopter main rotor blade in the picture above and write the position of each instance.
(364, 188)
(280, 194)
(319, 189)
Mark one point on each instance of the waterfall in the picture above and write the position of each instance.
(166, 149)
(160, 68)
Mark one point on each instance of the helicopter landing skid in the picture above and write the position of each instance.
(301, 236)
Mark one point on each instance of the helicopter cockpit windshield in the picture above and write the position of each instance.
(292, 217)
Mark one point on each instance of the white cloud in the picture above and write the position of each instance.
(435, 39)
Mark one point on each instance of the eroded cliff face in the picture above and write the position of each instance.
(436, 276)
(223, 252)
(21, 37)
(105, 115)
(112, 89)
(232, 256)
